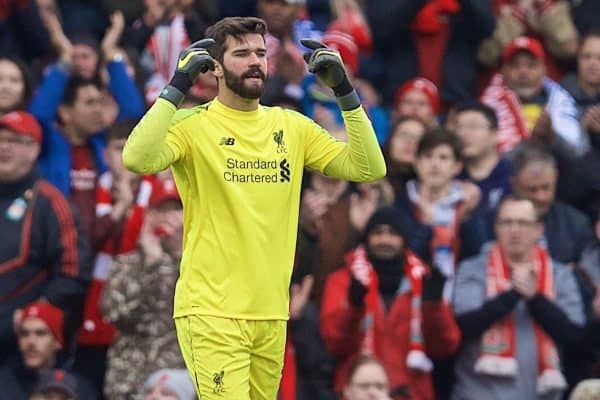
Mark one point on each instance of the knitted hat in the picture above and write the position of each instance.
(523, 43)
(51, 315)
(423, 85)
(178, 380)
(386, 216)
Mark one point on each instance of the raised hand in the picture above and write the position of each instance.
(326, 63)
(193, 61)
(111, 38)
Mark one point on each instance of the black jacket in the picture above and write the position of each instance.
(42, 253)
(390, 22)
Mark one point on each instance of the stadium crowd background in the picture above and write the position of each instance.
(506, 97)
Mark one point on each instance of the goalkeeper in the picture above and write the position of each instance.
(238, 168)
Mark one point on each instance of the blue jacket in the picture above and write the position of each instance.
(55, 158)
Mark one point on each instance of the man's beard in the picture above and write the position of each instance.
(384, 253)
(237, 83)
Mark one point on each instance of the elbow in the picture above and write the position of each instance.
(131, 163)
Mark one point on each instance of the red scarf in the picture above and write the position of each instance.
(414, 269)
(511, 122)
(95, 329)
(499, 342)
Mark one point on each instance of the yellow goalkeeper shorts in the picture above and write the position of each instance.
(233, 359)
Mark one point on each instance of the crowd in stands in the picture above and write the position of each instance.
(471, 271)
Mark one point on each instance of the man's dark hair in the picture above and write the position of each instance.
(120, 129)
(476, 106)
(438, 137)
(73, 86)
(528, 153)
(591, 34)
(235, 27)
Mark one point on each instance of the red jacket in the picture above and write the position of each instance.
(341, 329)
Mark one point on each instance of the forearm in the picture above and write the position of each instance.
(361, 160)
(472, 324)
(555, 322)
(146, 151)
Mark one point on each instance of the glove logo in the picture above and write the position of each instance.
(284, 171)
(278, 138)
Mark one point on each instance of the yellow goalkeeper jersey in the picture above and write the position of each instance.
(239, 176)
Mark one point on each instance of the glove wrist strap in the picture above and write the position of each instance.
(349, 101)
(172, 94)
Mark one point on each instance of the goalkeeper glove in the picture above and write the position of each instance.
(327, 64)
(193, 61)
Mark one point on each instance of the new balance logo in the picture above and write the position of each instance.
(227, 141)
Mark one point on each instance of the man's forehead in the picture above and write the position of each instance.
(247, 41)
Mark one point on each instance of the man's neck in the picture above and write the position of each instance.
(481, 167)
(237, 102)
(515, 259)
(589, 88)
(73, 137)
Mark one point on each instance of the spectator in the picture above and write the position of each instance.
(476, 126)
(418, 98)
(590, 258)
(387, 303)
(160, 35)
(138, 298)
(169, 384)
(578, 184)
(529, 104)
(400, 151)
(43, 254)
(437, 208)
(40, 332)
(69, 109)
(121, 201)
(15, 85)
(434, 39)
(549, 21)
(566, 230)
(56, 385)
(332, 219)
(585, 85)
(367, 380)
(308, 366)
(516, 308)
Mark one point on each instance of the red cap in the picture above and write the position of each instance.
(523, 43)
(423, 85)
(343, 43)
(51, 315)
(23, 123)
(163, 190)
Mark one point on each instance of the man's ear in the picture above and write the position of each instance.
(64, 115)
(218, 72)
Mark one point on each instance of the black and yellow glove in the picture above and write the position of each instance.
(193, 61)
(327, 64)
